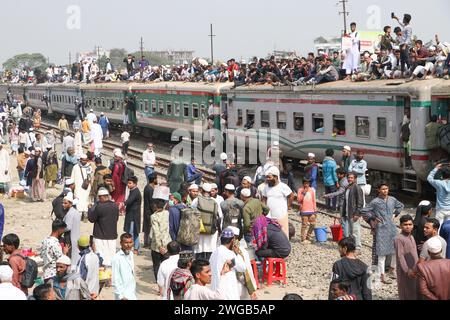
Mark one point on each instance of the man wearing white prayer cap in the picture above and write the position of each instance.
(278, 197)
(75, 287)
(433, 275)
(215, 194)
(73, 221)
(193, 194)
(246, 183)
(206, 187)
(7, 290)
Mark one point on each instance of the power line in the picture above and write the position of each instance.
(212, 44)
(345, 13)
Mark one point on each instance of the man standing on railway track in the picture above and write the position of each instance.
(330, 179)
(63, 127)
(149, 159)
(97, 138)
(104, 123)
(442, 192)
(81, 174)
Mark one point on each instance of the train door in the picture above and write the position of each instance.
(405, 133)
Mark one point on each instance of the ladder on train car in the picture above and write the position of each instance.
(411, 182)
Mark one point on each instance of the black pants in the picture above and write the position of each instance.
(331, 203)
(268, 253)
(125, 146)
(157, 259)
(404, 58)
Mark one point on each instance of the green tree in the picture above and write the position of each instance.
(117, 55)
(154, 60)
(26, 60)
(102, 62)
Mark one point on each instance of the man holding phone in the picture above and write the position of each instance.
(227, 252)
(405, 40)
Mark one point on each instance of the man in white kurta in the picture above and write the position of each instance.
(97, 138)
(5, 177)
(91, 117)
(78, 143)
(207, 243)
(72, 220)
(353, 55)
(223, 254)
(80, 172)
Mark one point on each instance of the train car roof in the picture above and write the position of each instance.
(397, 87)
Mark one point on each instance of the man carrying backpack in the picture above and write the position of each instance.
(210, 214)
(17, 261)
(232, 210)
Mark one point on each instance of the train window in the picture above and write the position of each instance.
(281, 120)
(318, 123)
(118, 104)
(299, 121)
(169, 108)
(382, 128)
(146, 106)
(362, 127)
(239, 118)
(265, 119)
(250, 115)
(195, 111)
(185, 109)
(154, 106)
(339, 125)
(104, 103)
(203, 111)
(113, 104)
(141, 105)
(161, 107)
(177, 109)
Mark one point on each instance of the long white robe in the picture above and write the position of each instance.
(353, 56)
(73, 221)
(232, 288)
(78, 144)
(4, 166)
(97, 136)
(81, 194)
(244, 292)
(207, 242)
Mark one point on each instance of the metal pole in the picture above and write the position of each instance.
(212, 44)
(345, 13)
(142, 47)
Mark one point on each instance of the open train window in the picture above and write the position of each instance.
(318, 123)
(177, 109)
(186, 109)
(265, 119)
(299, 121)
(154, 106)
(161, 107)
(119, 104)
(169, 108)
(362, 127)
(104, 103)
(339, 125)
(281, 120)
(381, 128)
(195, 111)
(113, 104)
(250, 119)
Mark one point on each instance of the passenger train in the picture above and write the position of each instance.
(364, 115)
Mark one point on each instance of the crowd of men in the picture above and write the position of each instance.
(205, 237)
(398, 54)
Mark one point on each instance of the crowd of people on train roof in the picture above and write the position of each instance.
(398, 54)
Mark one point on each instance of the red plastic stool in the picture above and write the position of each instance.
(255, 272)
(279, 274)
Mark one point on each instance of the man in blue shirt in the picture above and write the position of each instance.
(330, 179)
(104, 123)
(123, 279)
(442, 192)
(193, 174)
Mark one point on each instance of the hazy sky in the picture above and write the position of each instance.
(243, 27)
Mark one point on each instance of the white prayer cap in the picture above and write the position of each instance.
(246, 193)
(118, 153)
(69, 182)
(31, 129)
(102, 113)
(64, 260)
(206, 187)
(223, 156)
(424, 203)
(83, 156)
(311, 155)
(92, 110)
(432, 48)
(274, 171)
(193, 187)
(103, 192)
(236, 231)
(434, 245)
(6, 273)
(396, 47)
(374, 57)
(247, 178)
(214, 186)
(69, 197)
(230, 187)
(276, 143)
(347, 148)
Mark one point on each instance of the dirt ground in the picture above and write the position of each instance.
(32, 223)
